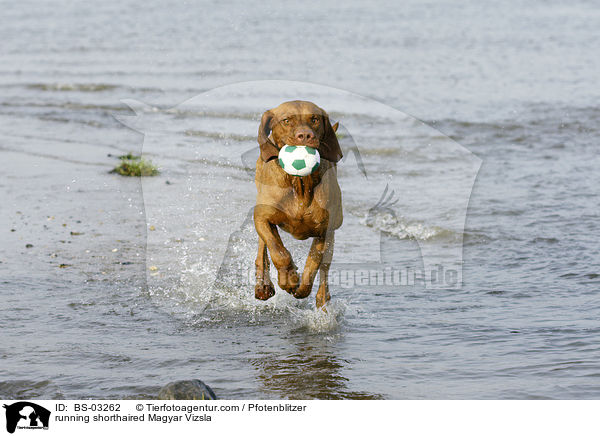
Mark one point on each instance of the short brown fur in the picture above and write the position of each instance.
(305, 207)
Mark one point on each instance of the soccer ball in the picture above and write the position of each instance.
(299, 160)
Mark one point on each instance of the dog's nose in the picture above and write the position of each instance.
(305, 134)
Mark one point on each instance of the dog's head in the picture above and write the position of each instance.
(298, 123)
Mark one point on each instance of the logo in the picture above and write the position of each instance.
(26, 415)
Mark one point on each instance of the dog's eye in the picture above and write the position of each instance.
(314, 120)
(286, 121)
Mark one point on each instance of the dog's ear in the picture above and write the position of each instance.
(330, 147)
(268, 150)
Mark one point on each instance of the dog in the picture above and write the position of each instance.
(305, 207)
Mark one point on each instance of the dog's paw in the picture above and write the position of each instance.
(288, 280)
(264, 291)
(303, 291)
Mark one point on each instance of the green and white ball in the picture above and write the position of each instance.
(299, 160)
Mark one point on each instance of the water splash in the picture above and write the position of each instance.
(399, 227)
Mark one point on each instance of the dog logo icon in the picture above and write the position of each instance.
(26, 415)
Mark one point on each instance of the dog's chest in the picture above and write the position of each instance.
(305, 217)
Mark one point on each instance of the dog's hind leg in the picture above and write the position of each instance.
(323, 294)
(264, 288)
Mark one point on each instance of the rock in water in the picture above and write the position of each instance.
(186, 390)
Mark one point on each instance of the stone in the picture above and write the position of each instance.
(186, 390)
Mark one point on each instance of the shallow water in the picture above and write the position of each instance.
(513, 84)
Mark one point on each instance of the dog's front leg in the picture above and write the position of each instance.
(264, 288)
(287, 275)
(313, 262)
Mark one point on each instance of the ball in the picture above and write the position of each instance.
(299, 160)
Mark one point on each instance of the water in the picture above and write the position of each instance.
(514, 84)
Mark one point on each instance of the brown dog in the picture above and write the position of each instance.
(309, 206)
